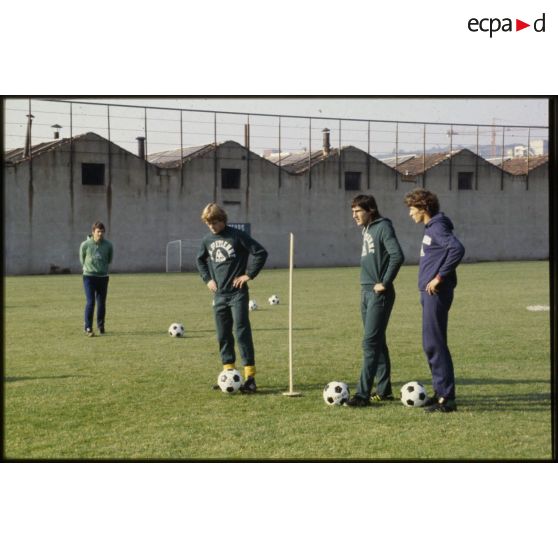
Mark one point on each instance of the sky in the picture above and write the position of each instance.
(512, 111)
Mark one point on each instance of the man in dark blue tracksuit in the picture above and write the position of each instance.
(440, 255)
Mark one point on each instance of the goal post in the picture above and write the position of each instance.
(173, 256)
(180, 255)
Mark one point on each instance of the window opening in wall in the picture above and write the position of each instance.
(465, 181)
(230, 179)
(92, 174)
(352, 180)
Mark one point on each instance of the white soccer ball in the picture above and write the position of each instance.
(336, 393)
(252, 305)
(229, 381)
(273, 299)
(413, 394)
(176, 330)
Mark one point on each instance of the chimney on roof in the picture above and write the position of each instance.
(141, 147)
(327, 146)
(57, 129)
(27, 149)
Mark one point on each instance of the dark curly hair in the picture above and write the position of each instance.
(423, 199)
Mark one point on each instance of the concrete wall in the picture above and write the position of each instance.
(144, 207)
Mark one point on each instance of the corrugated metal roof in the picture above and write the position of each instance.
(293, 162)
(174, 157)
(14, 156)
(420, 163)
(393, 161)
(297, 162)
(518, 165)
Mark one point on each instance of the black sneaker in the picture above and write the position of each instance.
(443, 405)
(357, 401)
(249, 386)
(102, 330)
(429, 401)
(378, 397)
(89, 332)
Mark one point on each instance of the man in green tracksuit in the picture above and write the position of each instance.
(380, 261)
(224, 266)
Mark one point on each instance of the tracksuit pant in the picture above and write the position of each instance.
(96, 289)
(232, 309)
(435, 310)
(375, 310)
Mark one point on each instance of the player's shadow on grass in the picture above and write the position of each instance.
(28, 378)
(159, 333)
(282, 328)
(494, 381)
(528, 402)
(305, 387)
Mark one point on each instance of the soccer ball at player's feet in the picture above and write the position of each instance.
(176, 330)
(413, 394)
(336, 393)
(273, 299)
(252, 305)
(229, 381)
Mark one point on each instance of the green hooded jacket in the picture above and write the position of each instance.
(381, 255)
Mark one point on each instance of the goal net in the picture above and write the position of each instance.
(181, 255)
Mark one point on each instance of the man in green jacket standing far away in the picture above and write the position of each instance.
(380, 261)
(95, 255)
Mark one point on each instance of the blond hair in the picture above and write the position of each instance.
(212, 213)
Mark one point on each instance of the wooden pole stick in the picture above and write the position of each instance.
(291, 266)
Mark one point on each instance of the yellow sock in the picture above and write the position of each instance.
(249, 371)
(230, 366)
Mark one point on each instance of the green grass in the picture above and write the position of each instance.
(136, 393)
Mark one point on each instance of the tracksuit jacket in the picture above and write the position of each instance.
(381, 255)
(229, 252)
(440, 252)
(95, 258)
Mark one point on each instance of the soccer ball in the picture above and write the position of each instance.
(252, 305)
(336, 393)
(273, 299)
(413, 394)
(229, 381)
(176, 330)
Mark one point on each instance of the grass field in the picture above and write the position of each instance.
(136, 393)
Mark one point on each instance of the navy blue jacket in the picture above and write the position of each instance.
(440, 252)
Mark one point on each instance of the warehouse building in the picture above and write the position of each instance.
(55, 190)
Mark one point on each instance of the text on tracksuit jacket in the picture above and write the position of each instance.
(381, 255)
(440, 252)
(224, 256)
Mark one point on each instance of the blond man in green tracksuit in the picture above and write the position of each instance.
(227, 259)
(381, 259)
